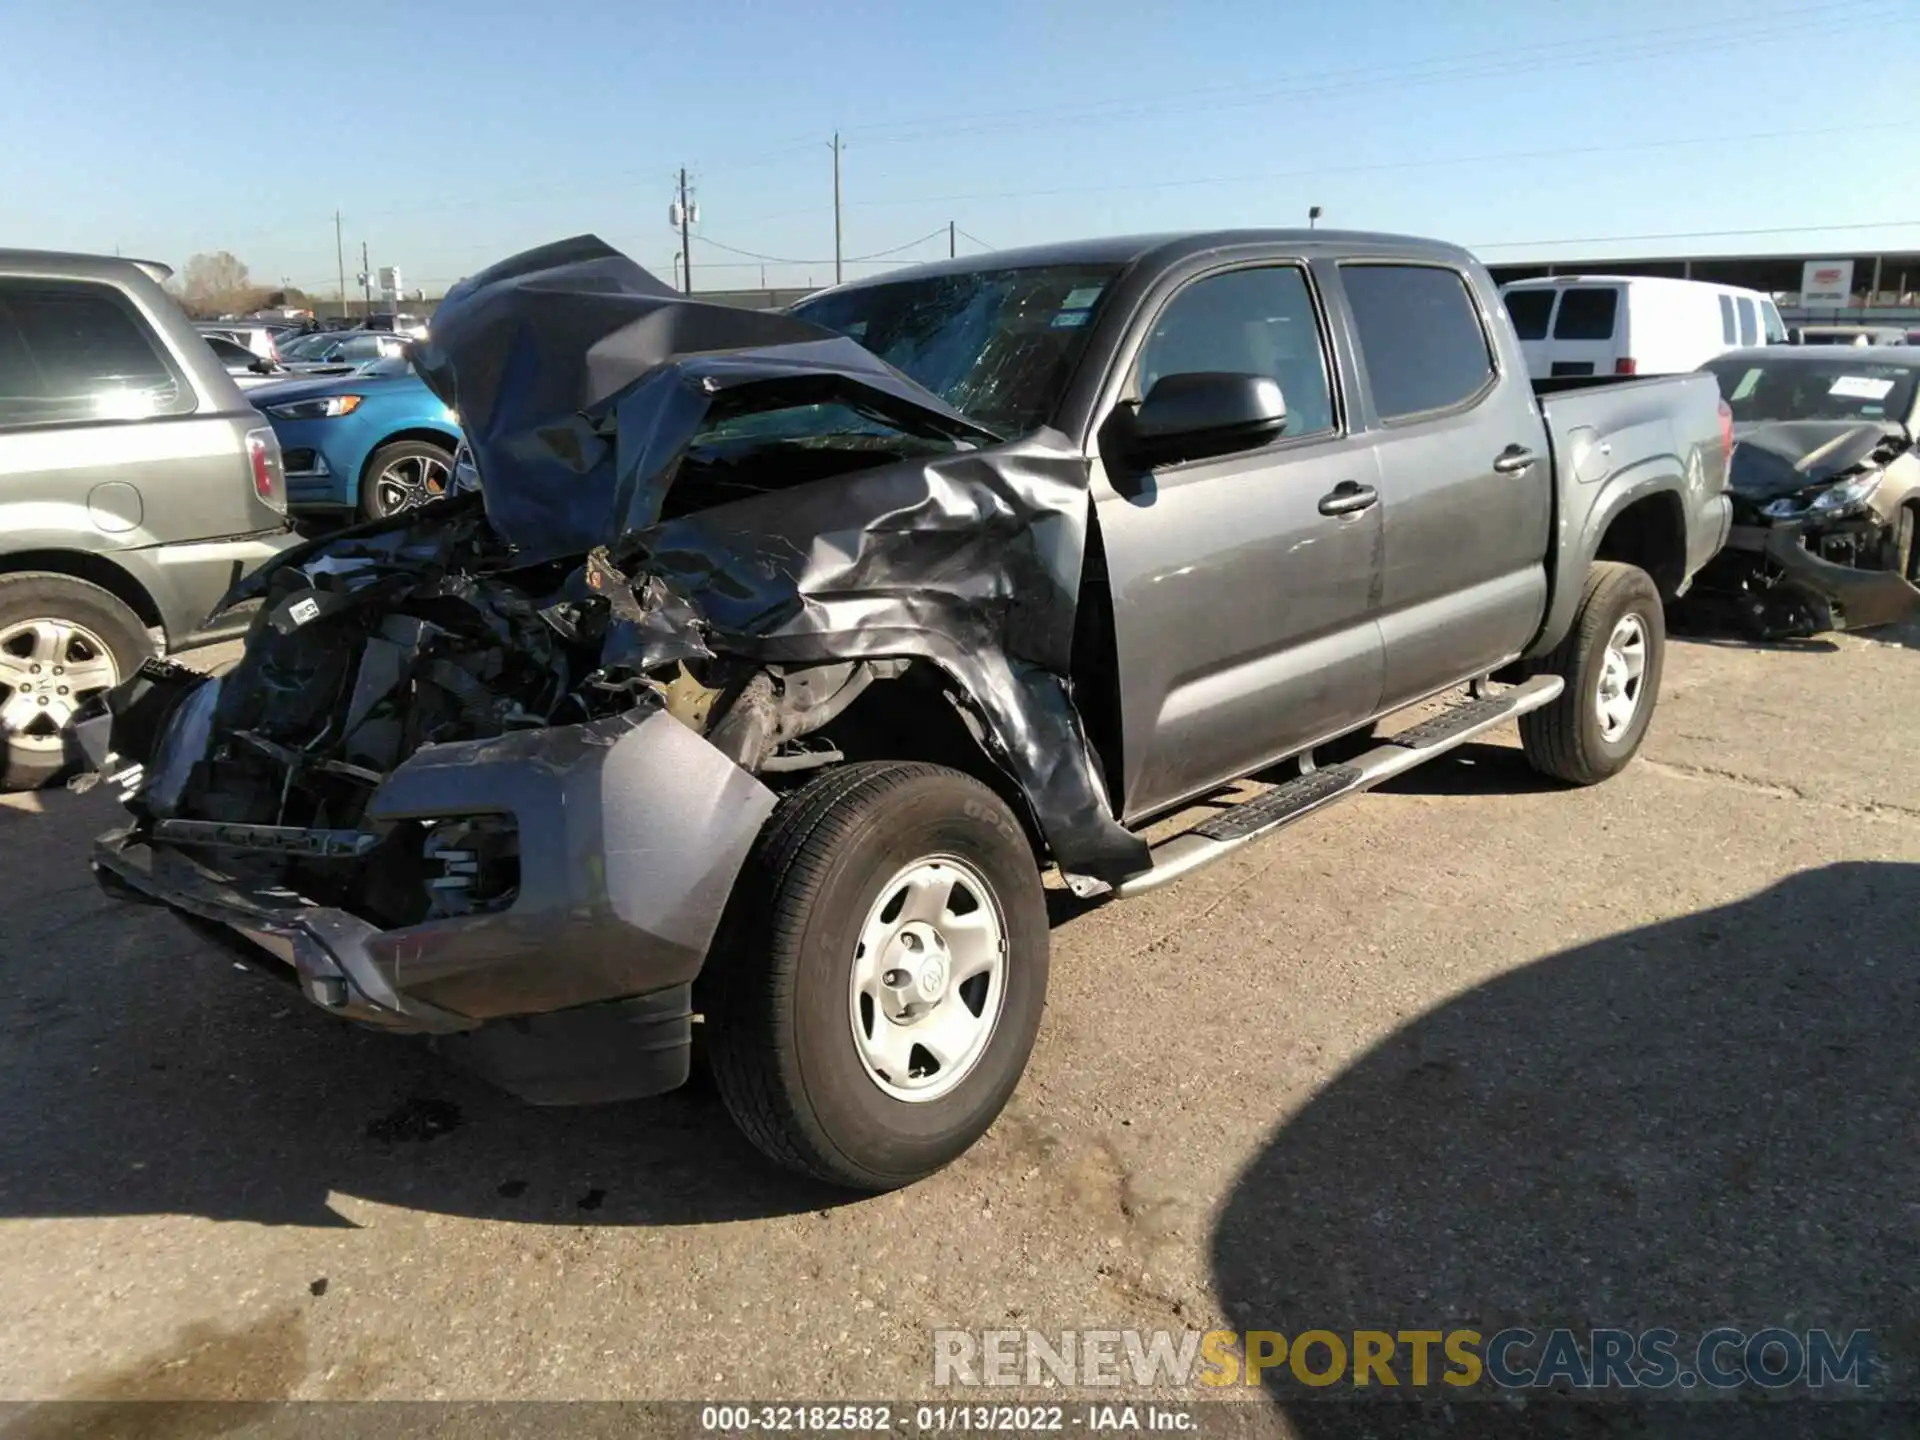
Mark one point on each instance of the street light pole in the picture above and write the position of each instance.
(1313, 216)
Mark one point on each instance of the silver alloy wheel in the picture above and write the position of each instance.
(47, 667)
(410, 481)
(1617, 697)
(929, 978)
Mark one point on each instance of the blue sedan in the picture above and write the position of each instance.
(373, 442)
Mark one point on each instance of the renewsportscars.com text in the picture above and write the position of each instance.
(1723, 1358)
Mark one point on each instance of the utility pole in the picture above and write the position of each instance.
(951, 252)
(366, 284)
(340, 258)
(686, 243)
(836, 207)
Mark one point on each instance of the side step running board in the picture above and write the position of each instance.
(1216, 838)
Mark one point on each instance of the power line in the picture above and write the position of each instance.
(978, 241)
(1426, 162)
(1491, 64)
(1701, 234)
(1507, 56)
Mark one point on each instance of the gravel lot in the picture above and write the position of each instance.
(1471, 1049)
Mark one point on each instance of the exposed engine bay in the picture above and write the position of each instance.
(1823, 536)
(728, 521)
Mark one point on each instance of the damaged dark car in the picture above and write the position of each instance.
(757, 664)
(1825, 488)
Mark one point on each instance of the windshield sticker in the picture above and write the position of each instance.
(1749, 382)
(1081, 299)
(1067, 319)
(1861, 387)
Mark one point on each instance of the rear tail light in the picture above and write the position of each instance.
(269, 476)
(1726, 432)
(1626, 365)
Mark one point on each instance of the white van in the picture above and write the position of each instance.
(1634, 324)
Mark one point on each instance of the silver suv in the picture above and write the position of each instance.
(136, 486)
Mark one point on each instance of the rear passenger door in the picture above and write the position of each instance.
(1465, 480)
(1242, 584)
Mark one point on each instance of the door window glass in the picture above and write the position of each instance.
(1586, 313)
(1421, 340)
(1247, 322)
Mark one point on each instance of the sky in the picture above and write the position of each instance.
(451, 133)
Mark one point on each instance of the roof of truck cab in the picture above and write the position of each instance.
(1167, 247)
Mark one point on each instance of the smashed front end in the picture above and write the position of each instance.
(488, 770)
(1818, 541)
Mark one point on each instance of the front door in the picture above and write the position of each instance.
(1243, 585)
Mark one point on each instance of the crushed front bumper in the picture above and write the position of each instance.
(632, 832)
(1836, 597)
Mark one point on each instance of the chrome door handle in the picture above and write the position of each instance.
(1514, 460)
(1347, 498)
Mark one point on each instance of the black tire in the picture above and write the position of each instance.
(776, 992)
(398, 452)
(35, 754)
(1565, 739)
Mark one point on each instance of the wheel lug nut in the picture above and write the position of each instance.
(63, 689)
(910, 940)
(56, 670)
(897, 979)
(43, 699)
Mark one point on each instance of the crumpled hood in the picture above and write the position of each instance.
(1772, 458)
(580, 380)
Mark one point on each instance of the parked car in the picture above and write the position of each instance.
(411, 325)
(341, 350)
(760, 665)
(1634, 325)
(1826, 489)
(375, 441)
(261, 340)
(136, 484)
(1850, 335)
(247, 369)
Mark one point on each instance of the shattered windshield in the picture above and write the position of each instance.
(820, 425)
(1840, 388)
(997, 345)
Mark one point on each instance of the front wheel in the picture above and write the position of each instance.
(878, 983)
(1611, 660)
(404, 475)
(62, 641)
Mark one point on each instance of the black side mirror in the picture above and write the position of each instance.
(263, 366)
(1204, 413)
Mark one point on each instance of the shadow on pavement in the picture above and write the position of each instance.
(141, 1072)
(1474, 768)
(1704, 1122)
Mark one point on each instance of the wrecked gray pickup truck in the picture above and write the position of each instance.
(1825, 488)
(775, 654)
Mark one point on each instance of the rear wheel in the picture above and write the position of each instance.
(879, 981)
(1611, 660)
(61, 641)
(403, 476)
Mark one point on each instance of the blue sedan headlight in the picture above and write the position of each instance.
(329, 407)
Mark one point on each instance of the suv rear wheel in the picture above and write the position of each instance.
(879, 980)
(61, 640)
